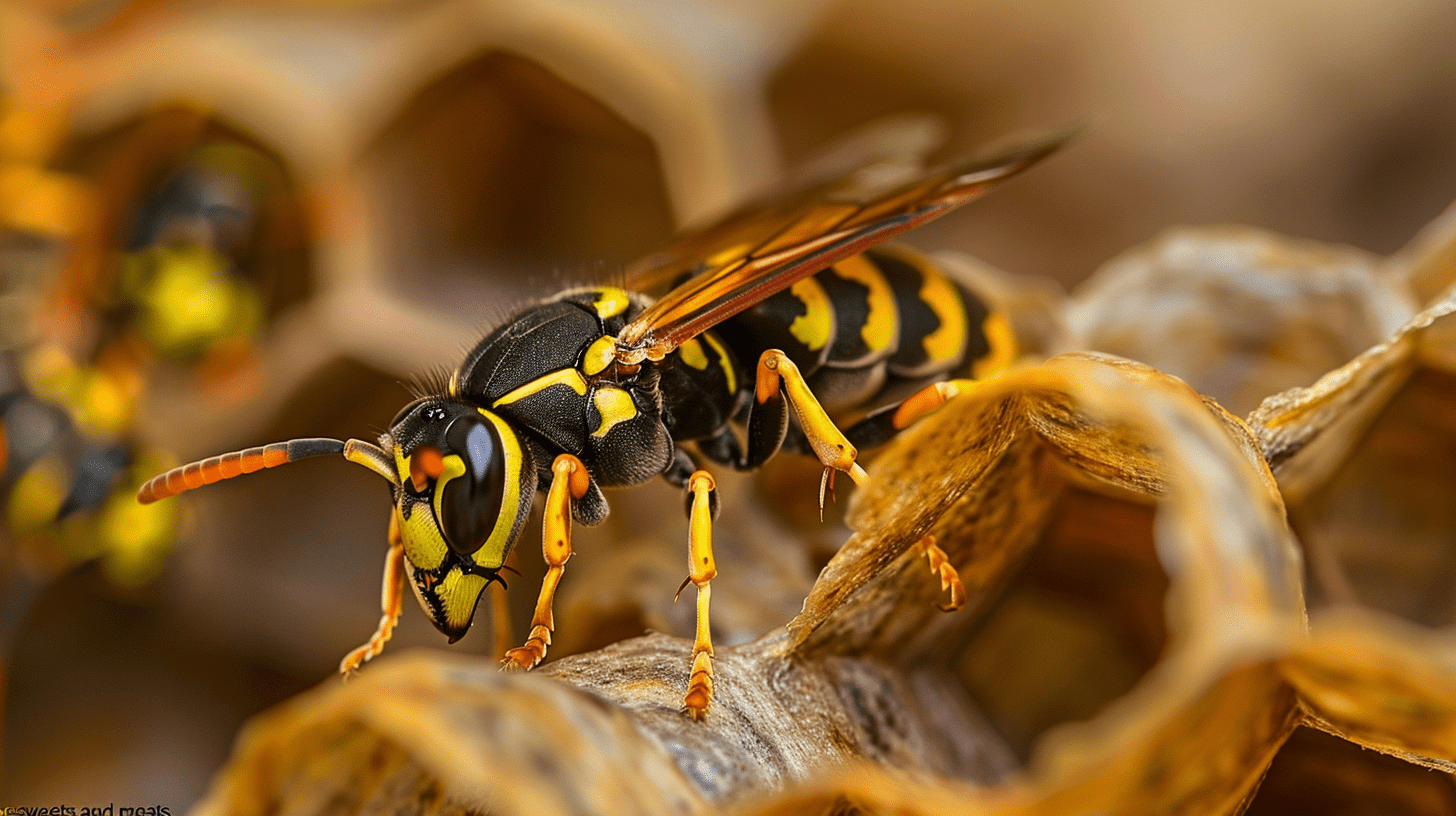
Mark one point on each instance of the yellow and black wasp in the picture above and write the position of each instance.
(790, 305)
(161, 279)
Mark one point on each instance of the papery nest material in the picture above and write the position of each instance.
(861, 677)
(1239, 312)
(1365, 458)
(1363, 454)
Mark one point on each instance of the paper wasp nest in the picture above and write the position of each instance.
(1203, 582)
(1136, 638)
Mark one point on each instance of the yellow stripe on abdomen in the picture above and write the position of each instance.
(882, 324)
(815, 326)
(948, 341)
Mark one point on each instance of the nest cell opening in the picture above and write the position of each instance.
(1382, 532)
(501, 168)
(1318, 773)
(1077, 624)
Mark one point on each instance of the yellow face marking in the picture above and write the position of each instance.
(725, 362)
(1004, 349)
(598, 355)
(615, 406)
(458, 594)
(882, 325)
(611, 302)
(692, 353)
(949, 340)
(454, 466)
(424, 544)
(568, 377)
(492, 553)
(814, 327)
(455, 383)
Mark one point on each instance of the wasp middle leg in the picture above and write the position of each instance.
(569, 481)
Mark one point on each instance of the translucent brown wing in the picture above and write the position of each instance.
(752, 255)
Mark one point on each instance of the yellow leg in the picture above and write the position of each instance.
(949, 578)
(828, 442)
(393, 595)
(926, 401)
(569, 481)
(701, 570)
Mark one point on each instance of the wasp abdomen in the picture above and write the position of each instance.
(944, 326)
(872, 322)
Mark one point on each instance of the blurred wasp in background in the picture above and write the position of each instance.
(789, 304)
(166, 251)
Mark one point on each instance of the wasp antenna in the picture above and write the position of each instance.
(371, 456)
(233, 464)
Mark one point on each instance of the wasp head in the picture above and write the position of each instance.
(464, 490)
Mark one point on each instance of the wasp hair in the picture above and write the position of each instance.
(432, 382)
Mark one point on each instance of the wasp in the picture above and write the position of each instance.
(794, 305)
(171, 284)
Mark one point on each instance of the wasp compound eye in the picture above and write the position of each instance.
(470, 501)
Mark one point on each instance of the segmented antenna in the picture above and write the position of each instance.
(228, 465)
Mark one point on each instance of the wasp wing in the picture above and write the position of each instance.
(750, 257)
(892, 145)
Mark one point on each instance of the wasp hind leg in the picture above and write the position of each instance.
(777, 378)
(701, 571)
(881, 425)
(569, 481)
(393, 596)
(950, 580)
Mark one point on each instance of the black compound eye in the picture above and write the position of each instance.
(471, 502)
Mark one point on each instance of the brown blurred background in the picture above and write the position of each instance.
(443, 161)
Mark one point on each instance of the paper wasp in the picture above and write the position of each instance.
(167, 276)
(601, 387)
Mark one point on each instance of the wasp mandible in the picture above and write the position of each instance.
(789, 305)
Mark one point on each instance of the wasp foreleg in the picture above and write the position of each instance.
(569, 481)
(701, 570)
(393, 596)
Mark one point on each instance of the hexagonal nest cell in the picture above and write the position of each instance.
(501, 169)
